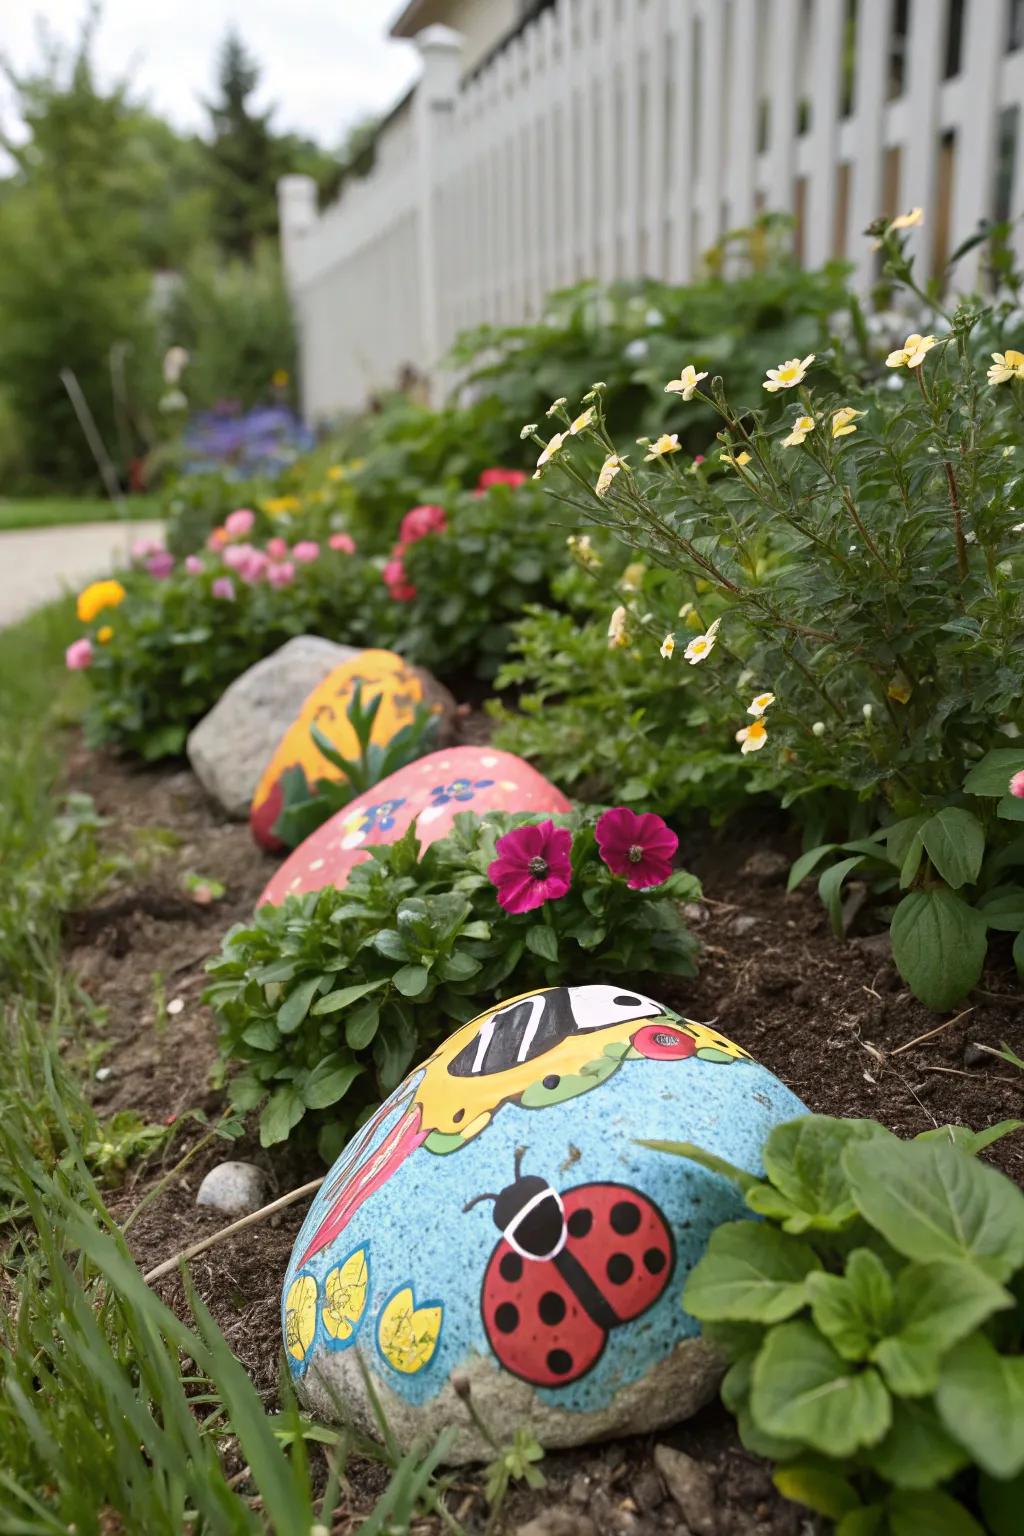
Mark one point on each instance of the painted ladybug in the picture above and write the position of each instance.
(569, 1268)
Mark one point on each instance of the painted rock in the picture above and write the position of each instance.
(380, 674)
(498, 1218)
(433, 790)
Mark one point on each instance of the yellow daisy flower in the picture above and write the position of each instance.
(104, 634)
(1005, 366)
(752, 737)
(582, 421)
(912, 353)
(701, 646)
(686, 383)
(842, 421)
(801, 427)
(609, 469)
(668, 442)
(787, 374)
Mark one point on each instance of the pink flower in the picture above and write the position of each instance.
(277, 549)
(281, 573)
(639, 847)
(78, 655)
(194, 565)
(224, 588)
(160, 564)
(239, 522)
(141, 548)
(306, 551)
(395, 580)
(254, 567)
(343, 542)
(1017, 785)
(532, 866)
(489, 477)
(420, 521)
(237, 555)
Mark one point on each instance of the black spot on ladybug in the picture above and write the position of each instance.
(625, 1001)
(654, 1261)
(559, 1362)
(552, 1081)
(580, 1223)
(619, 1268)
(459, 1115)
(551, 1308)
(511, 1267)
(506, 1317)
(625, 1217)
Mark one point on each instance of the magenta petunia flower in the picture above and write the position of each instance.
(639, 847)
(532, 866)
(78, 655)
(399, 587)
(1017, 785)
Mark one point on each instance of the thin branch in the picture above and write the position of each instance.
(254, 1217)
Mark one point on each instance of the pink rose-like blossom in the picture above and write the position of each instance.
(141, 548)
(277, 548)
(224, 588)
(420, 521)
(395, 580)
(193, 565)
(255, 567)
(239, 522)
(343, 542)
(639, 847)
(306, 551)
(237, 555)
(281, 573)
(1017, 785)
(78, 655)
(160, 564)
(532, 866)
(218, 538)
(510, 477)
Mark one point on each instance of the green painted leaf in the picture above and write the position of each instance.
(749, 1273)
(296, 1005)
(937, 1305)
(917, 1452)
(853, 1310)
(802, 1389)
(991, 777)
(938, 944)
(954, 840)
(344, 996)
(931, 1201)
(914, 1514)
(980, 1399)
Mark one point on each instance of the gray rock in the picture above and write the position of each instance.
(690, 1486)
(234, 1188)
(558, 1521)
(231, 746)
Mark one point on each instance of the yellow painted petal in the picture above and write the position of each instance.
(345, 1296)
(300, 1317)
(406, 1334)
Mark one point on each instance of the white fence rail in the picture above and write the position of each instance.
(622, 138)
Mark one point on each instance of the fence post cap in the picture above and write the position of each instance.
(438, 39)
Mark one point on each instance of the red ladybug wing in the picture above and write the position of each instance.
(623, 1242)
(536, 1326)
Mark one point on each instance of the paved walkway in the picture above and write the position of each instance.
(38, 564)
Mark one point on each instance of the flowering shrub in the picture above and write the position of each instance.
(874, 1325)
(855, 554)
(325, 1000)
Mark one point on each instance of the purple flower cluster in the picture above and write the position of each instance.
(246, 443)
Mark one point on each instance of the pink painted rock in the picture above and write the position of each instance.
(433, 790)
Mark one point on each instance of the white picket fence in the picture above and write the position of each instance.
(622, 138)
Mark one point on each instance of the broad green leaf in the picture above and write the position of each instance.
(853, 1310)
(262, 1036)
(980, 1399)
(971, 1141)
(329, 1081)
(991, 777)
(938, 944)
(749, 1273)
(817, 1488)
(1018, 953)
(1004, 909)
(937, 1305)
(276, 970)
(542, 941)
(869, 1521)
(296, 1005)
(803, 1160)
(911, 862)
(954, 840)
(362, 1024)
(807, 862)
(917, 1452)
(933, 1512)
(803, 1390)
(412, 980)
(1010, 808)
(335, 1001)
(931, 1201)
(458, 966)
(1001, 1503)
(830, 888)
(282, 1112)
(390, 944)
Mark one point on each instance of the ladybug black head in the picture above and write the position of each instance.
(529, 1214)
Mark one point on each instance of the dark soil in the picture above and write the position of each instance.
(832, 1020)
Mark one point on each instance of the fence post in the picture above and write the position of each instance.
(441, 50)
(296, 215)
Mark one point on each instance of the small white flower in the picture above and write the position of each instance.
(668, 442)
(668, 645)
(549, 451)
(867, 710)
(528, 430)
(617, 631)
(609, 469)
(787, 374)
(701, 646)
(818, 728)
(582, 421)
(686, 383)
(758, 705)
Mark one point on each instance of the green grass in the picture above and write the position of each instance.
(58, 511)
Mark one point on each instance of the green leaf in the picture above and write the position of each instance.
(1001, 1503)
(749, 1273)
(262, 1036)
(1010, 808)
(969, 1141)
(361, 1024)
(807, 862)
(1018, 953)
(344, 996)
(853, 1310)
(803, 1160)
(914, 1514)
(283, 1111)
(458, 966)
(980, 1399)
(869, 1521)
(817, 1488)
(803, 1390)
(917, 1452)
(991, 777)
(329, 1081)
(938, 944)
(543, 941)
(931, 1201)
(296, 1005)
(412, 980)
(390, 943)
(709, 1160)
(937, 1305)
(954, 840)
(1004, 909)
(830, 890)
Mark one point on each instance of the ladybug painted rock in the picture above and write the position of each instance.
(433, 791)
(498, 1217)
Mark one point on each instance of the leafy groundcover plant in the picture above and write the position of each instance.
(325, 1001)
(855, 555)
(874, 1322)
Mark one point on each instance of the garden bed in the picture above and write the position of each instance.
(831, 1020)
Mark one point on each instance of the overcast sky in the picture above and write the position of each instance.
(325, 62)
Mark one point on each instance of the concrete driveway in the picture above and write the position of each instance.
(39, 564)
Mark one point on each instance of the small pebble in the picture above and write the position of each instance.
(648, 1490)
(742, 924)
(175, 1006)
(690, 1486)
(558, 1521)
(234, 1188)
(104, 1074)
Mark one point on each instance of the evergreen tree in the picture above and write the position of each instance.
(243, 156)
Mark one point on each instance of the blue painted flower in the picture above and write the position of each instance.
(458, 789)
(381, 817)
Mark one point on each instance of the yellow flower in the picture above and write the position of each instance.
(912, 352)
(549, 451)
(801, 427)
(582, 421)
(633, 576)
(279, 378)
(908, 220)
(737, 460)
(701, 646)
(787, 374)
(581, 549)
(97, 596)
(336, 472)
(617, 630)
(104, 634)
(686, 383)
(1006, 365)
(668, 442)
(752, 737)
(842, 421)
(758, 706)
(668, 645)
(609, 469)
(277, 506)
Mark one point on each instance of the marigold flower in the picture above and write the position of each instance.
(668, 646)
(701, 646)
(639, 847)
(752, 737)
(912, 353)
(532, 866)
(843, 419)
(78, 656)
(758, 706)
(104, 634)
(609, 469)
(1005, 366)
(97, 596)
(787, 374)
(686, 383)
(801, 427)
(668, 442)
(583, 420)
(549, 451)
(617, 629)
(1016, 785)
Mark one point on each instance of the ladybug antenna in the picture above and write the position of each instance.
(476, 1201)
(520, 1154)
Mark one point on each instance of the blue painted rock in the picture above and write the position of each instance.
(498, 1218)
